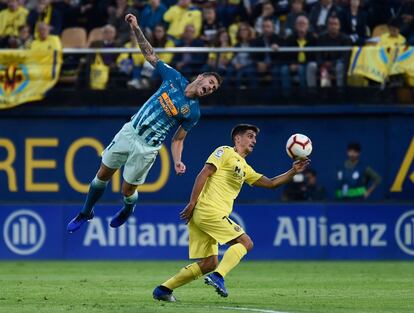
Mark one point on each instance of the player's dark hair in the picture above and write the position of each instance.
(354, 146)
(240, 129)
(216, 75)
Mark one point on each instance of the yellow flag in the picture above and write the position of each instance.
(25, 75)
(370, 62)
(404, 64)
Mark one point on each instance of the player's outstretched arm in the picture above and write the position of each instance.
(143, 43)
(199, 183)
(297, 167)
(177, 146)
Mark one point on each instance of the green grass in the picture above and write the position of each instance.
(306, 287)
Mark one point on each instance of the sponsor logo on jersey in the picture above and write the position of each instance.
(167, 104)
(219, 153)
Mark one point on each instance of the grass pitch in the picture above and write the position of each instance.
(269, 287)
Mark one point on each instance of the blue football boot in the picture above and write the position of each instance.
(78, 221)
(163, 295)
(121, 217)
(217, 282)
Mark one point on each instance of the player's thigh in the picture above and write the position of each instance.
(116, 153)
(201, 245)
(220, 227)
(139, 163)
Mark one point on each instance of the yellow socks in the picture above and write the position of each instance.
(184, 276)
(231, 258)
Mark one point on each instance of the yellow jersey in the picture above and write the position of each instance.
(179, 18)
(11, 21)
(223, 187)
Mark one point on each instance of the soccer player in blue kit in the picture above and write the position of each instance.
(137, 144)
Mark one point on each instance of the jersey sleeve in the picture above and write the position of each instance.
(166, 71)
(251, 175)
(218, 157)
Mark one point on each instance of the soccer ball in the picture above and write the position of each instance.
(298, 146)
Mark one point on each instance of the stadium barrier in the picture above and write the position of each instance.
(280, 232)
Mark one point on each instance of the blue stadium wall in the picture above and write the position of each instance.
(51, 155)
(48, 157)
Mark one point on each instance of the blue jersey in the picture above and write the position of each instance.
(168, 107)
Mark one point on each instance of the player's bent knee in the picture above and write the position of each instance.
(128, 189)
(105, 173)
(209, 264)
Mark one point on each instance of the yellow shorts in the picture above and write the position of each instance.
(207, 230)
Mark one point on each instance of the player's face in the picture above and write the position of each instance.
(206, 85)
(353, 155)
(247, 141)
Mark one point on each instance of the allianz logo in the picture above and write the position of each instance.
(311, 231)
(132, 234)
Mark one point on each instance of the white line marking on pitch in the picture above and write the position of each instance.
(249, 309)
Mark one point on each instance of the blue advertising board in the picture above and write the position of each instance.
(54, 159)
(279, 232)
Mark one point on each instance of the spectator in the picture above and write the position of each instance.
(92, 14)
(210, 26)
(109, 59)
(319, 15)
(242, 63)
(131, 63)
(117, 19)
(109, 36)
(406, 15)
(314, 190)
(267, 63)
(23, 41)
(44, 13)
(268, 12)
(354, 22)
(233, 11)
(189, 63)
(331, 63)
(296, 189)
(46, 41)
(220, 62)
(143, 77)
(300, 63)
(392, 38)
(152, 15)
(181, 15)
(11, 19)
(296, 9)
(355, 179)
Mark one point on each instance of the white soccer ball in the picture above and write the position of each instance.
(298, 146)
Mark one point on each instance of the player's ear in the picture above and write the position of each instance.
(199, 77)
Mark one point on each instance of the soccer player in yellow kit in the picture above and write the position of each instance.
(207, 213)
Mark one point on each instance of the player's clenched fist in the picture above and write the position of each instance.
(131, 20)
(179, 168)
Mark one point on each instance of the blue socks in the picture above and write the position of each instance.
(96, 190)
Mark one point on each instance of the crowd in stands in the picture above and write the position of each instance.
(216, 23)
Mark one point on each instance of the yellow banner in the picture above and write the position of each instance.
(25, 75)
(371, 62)
(404, 64)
